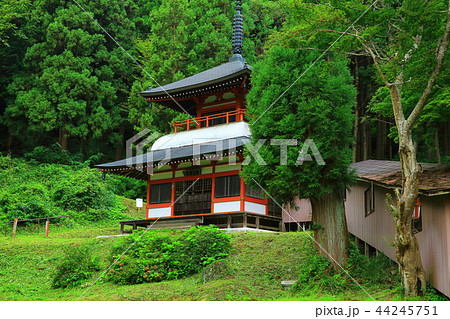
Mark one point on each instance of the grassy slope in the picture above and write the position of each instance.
(252, 272)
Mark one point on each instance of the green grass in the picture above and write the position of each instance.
(253, 271)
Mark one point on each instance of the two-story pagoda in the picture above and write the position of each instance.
(193, 173)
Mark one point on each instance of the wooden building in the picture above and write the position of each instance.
(372, 225)
(193, 173)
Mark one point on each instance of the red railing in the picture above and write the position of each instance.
(207, 121)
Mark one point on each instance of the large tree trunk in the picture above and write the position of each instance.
(446, 139)
(10, 142)
(381, 138)
(407, 248)
(436, 143)
(63, 138)
(120, 145)
(331, 230)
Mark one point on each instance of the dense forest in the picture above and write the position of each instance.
(72, 71)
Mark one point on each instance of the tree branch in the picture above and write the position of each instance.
(375, 61)
(340, 32)
(346, 53)
(441, 51)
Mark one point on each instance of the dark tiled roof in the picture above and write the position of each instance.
(434, 179)
(135, 166)
(217, 74)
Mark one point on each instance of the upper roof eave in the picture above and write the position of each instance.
(221, 73)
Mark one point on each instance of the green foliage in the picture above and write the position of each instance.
(374, 270)
(78, 266)
(74, 78)
(317, 275)
(199, 247)
(153, 256)
(317, 107)
(33, 190)
(10, 12)
(126, 186)
(53, 155)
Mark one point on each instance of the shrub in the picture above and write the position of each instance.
(31, 190)
(200, 246)
(77, 266)
(317, 274)
(126, 186)
(54, 155)
(147, 260)
(154, 256)
(84, 191)
(376, 270)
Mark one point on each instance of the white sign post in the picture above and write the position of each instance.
(139, 204)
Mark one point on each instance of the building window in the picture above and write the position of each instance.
(254, 192)
(193, 197)
(228, 186)
(273, 208)
(369, 200)
(160, 193)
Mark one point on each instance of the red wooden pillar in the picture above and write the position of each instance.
(213, 185)
(242, 194)
(172, 198)
(148, 196)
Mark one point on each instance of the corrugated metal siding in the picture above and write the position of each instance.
(377, 230)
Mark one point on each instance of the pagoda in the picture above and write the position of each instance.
(193, 174)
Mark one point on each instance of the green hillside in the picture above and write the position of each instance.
(253, 271)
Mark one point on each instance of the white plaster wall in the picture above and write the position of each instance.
(159, 212)
(255, 208)
(225, 207)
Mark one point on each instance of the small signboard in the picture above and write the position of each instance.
(139, 203)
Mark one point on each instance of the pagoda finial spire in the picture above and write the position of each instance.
(238, 33)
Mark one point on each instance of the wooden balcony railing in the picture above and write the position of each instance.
(209, 120)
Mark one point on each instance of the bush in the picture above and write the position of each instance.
(376, 270)
(31, 190)
(53, 155)
(317, 274)
(126, 186)
(147, 260)
(84, 191)
(199, 247)
(154, 256)
(77, 266)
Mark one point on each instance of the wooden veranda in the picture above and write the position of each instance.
(228, 220)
